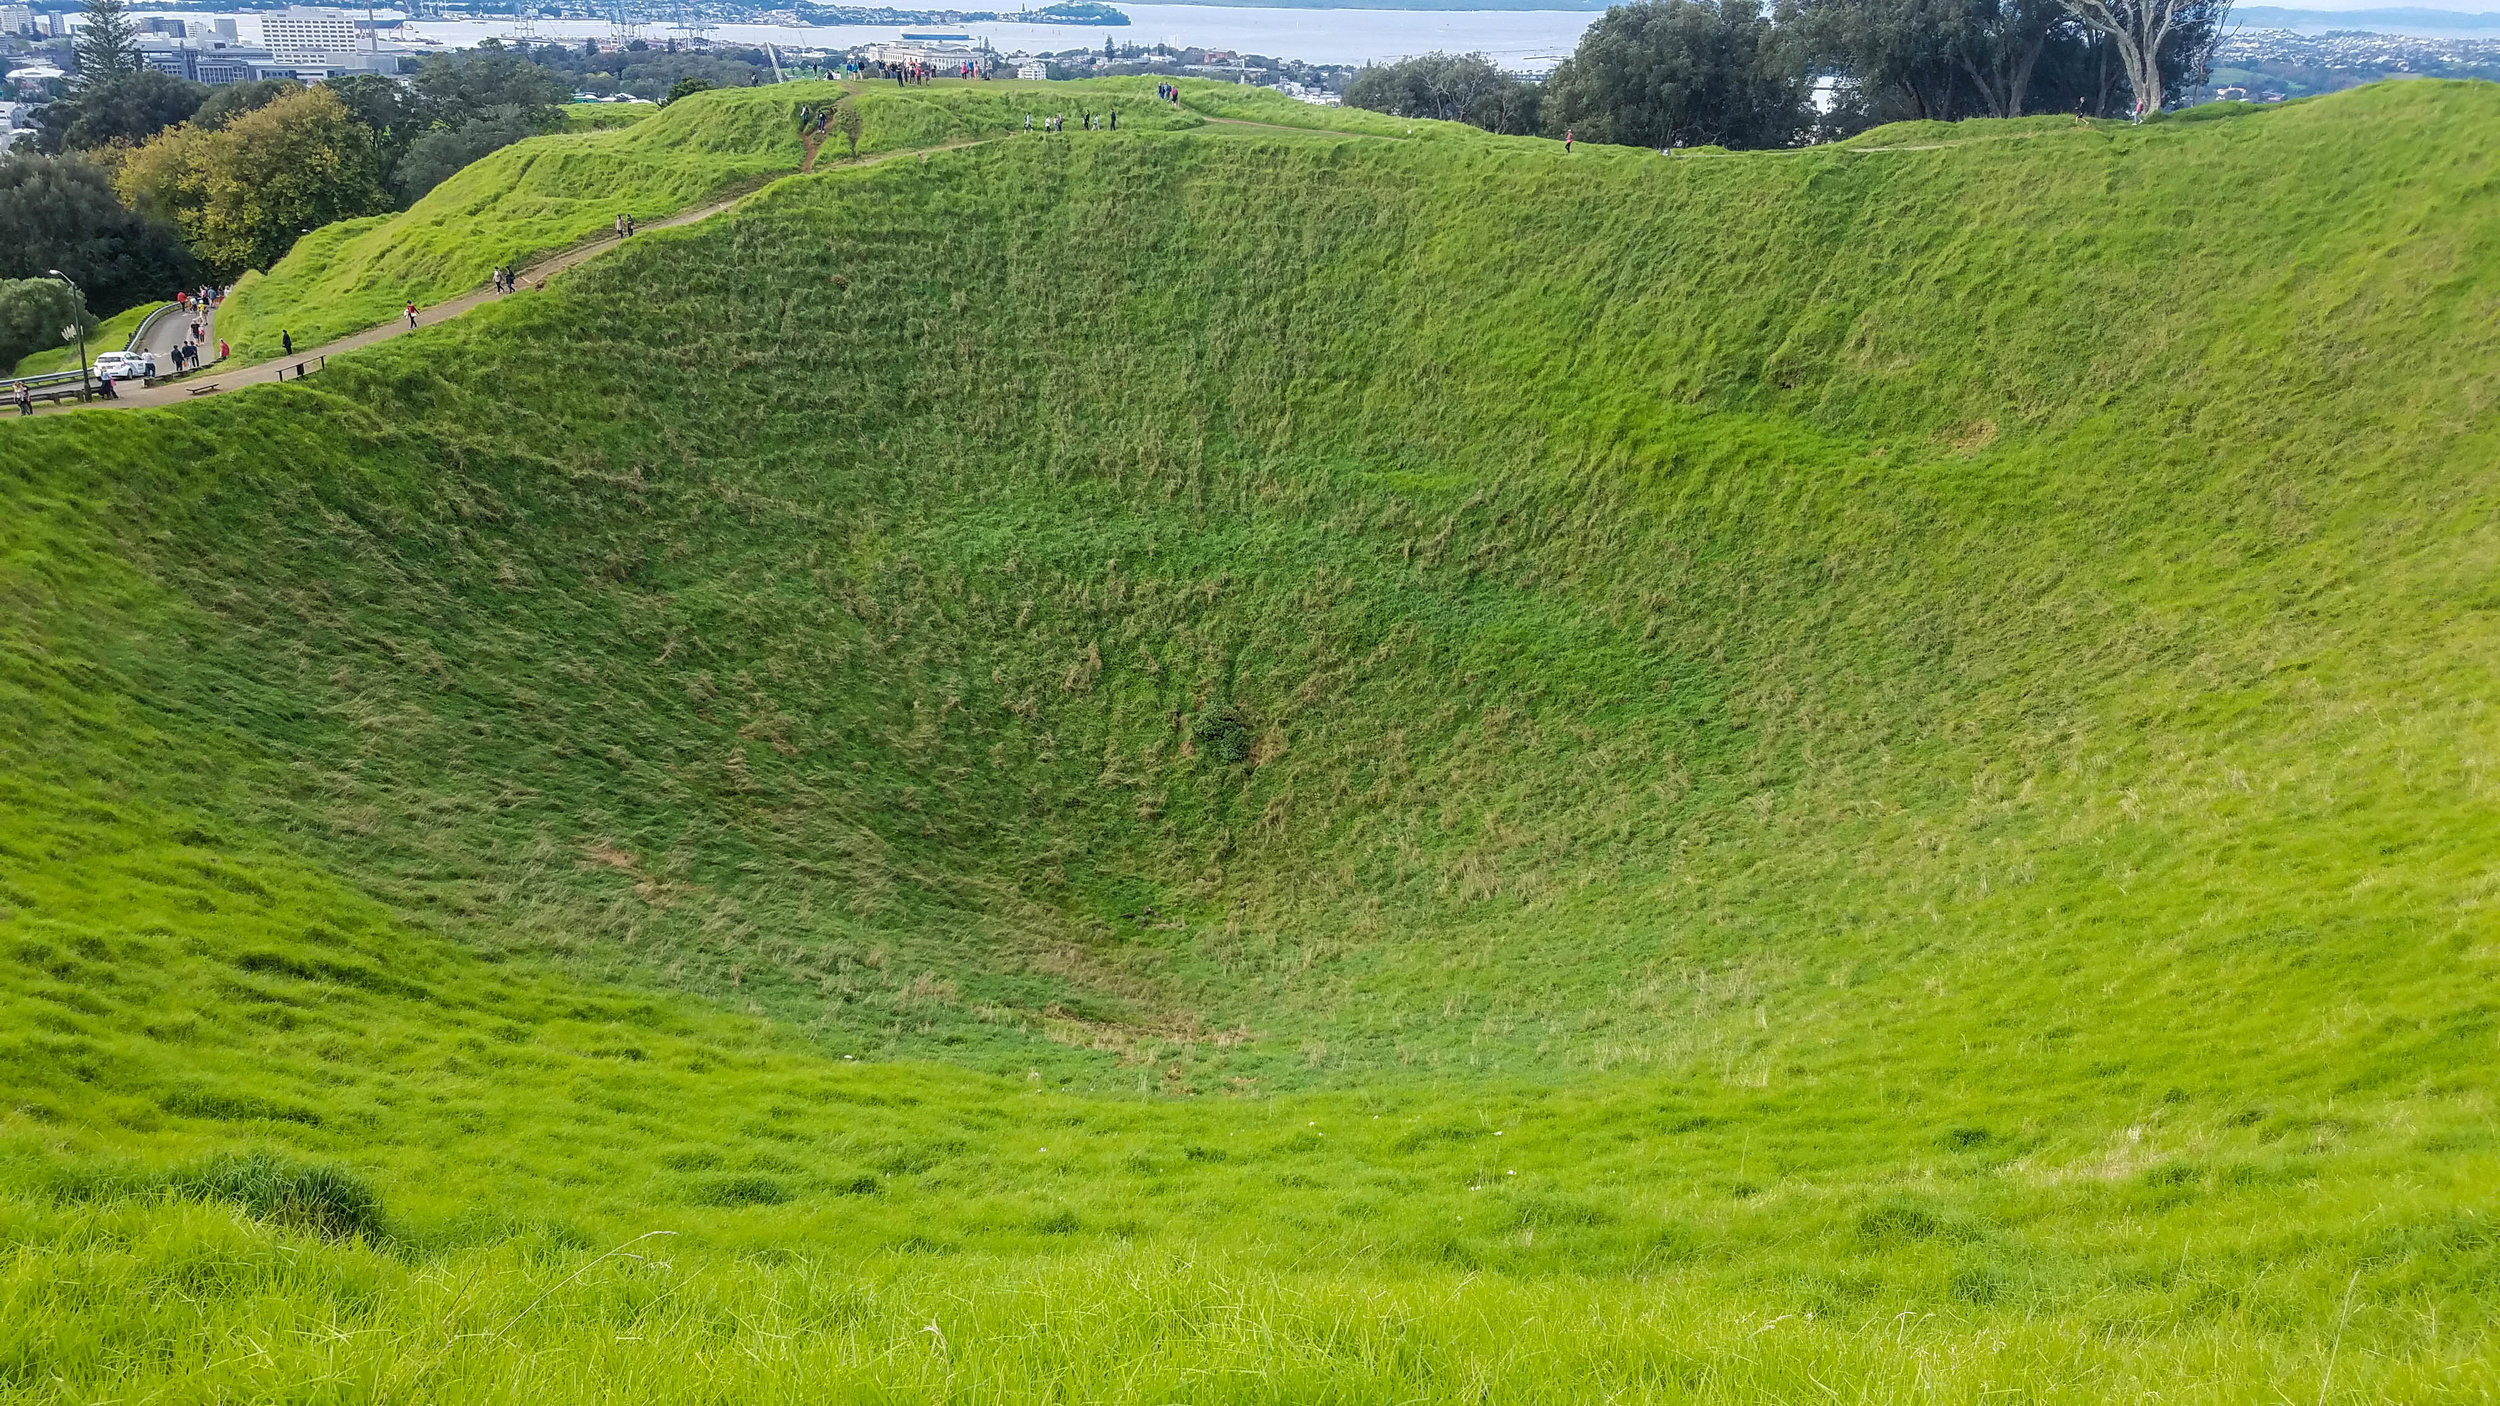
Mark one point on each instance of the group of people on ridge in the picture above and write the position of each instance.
(1058, 122)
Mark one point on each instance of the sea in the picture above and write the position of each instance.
(1521, 41)
(1528, 41)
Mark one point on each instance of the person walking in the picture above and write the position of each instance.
(412, 314)
(1567, 141)
(25, 400)
(1115, 119)
(286, 344)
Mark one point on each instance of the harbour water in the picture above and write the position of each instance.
(1523, 40)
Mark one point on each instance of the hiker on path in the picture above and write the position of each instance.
(25, 400)
(629, 226)
(412, 314)
(286, 344)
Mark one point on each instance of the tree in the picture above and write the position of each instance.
(1899, 55)
(433, 158)
(1697, 71)
(233, 100)
(1999, 44)
(32, 313)
(243, 193)
(107, 45)
(685, 88)
(1449, 88)
(2157, 41)
(392, 113)
(60, 213)
(124, 110)
(451, 88)
(459, 108)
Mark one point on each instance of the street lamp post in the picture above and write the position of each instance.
(79, 326)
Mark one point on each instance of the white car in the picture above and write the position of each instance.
(125, 365)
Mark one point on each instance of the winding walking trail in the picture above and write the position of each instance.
(307, 360)
(227, 378)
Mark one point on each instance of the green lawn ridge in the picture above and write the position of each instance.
(548, 193)
(1221, 764)
(602, 116)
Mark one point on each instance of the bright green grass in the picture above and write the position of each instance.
(600, 117)
(113, 335)
(1950, 847)
(521, 201)
(550, 192)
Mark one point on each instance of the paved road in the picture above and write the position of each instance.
(173, 329)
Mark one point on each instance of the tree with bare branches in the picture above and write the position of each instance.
(2146, 31)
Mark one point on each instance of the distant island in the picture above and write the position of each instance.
(1590, 6)
(1067, 12)
(2399, 18)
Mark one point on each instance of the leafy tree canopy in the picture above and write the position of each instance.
(243, 193)
(60, 213)
(1700, 72)
(433, 157)
(233, 100)
(449, 89)
(122, 110)
(1450, 88)
(32, 313)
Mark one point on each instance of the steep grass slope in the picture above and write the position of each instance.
(550, 192)
(533, 196)
(1860, 772)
